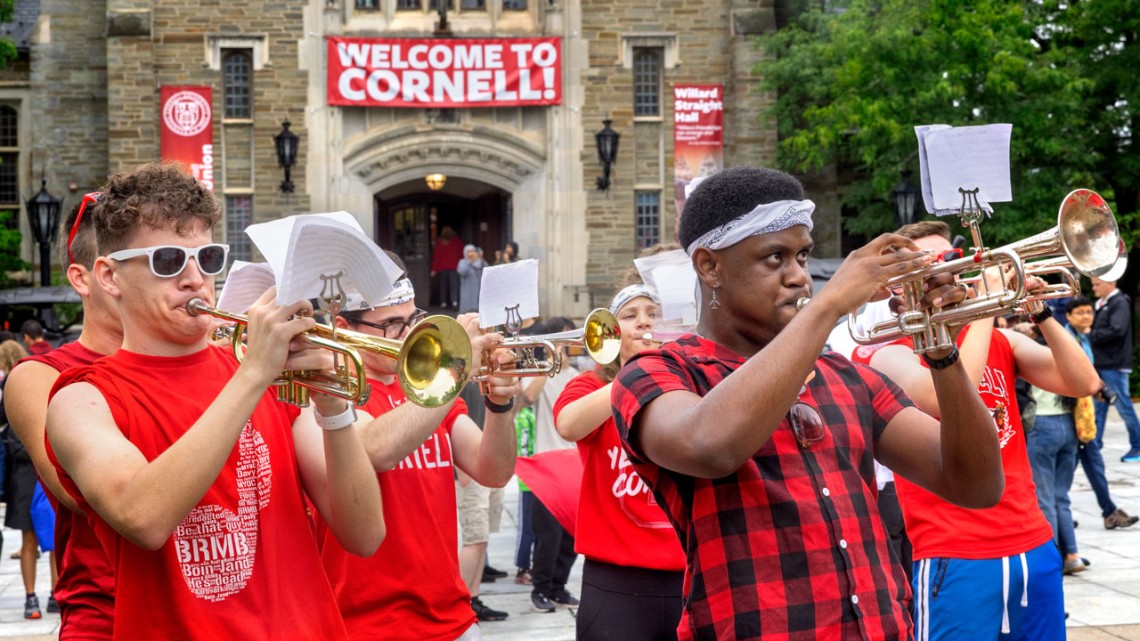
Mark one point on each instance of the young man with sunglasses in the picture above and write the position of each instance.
(86, 585)
(761, 451)
(1000, 564)
(411, 588)
(197, 479)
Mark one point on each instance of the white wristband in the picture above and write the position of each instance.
(333, 423)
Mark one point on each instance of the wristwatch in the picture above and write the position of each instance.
(942, 363)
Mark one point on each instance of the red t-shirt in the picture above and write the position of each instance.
(939, 529)
(39, 348)
(619, 520)
(447, 254)
(243, 563)
(411, 588)
(85, 588)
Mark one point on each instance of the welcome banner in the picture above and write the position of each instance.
(187, 130)
(416, 72)
(698, 137)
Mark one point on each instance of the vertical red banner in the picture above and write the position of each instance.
(187, 130)
(698, 137)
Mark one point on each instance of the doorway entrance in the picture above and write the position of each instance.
(410, 219)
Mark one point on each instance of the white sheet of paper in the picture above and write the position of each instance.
(923, 163)
(505, 286)
(245, 283)
(272, 238)
(320, 246)
(671, 273)
(968, 158)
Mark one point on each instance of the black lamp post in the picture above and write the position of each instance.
(906, 200)
(607, 140)
(286, 142)
(43, 218)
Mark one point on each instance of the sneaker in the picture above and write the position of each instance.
(32, 607)
(1119, 518)
(53, 605)
(484, 613)
(524, 577)
(487, 578)
(541, 603)
(1072, 566)
(1133, 456)
(493, 573)
(563, 598)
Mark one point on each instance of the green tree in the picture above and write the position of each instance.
(852, 84)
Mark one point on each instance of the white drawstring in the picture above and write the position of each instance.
(923, 623)
(1024, 581)
(1005, 595)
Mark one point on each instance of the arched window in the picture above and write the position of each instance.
(237, 70)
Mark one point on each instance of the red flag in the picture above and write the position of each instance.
(555, 477)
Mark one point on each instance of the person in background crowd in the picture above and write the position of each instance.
(1079, 314)
(761, 450)
(508, 254)
(412, 587)
(999, 563)
(198, 481)
(85, 588)
(445, 257)
(632, 579)
(470, 270)
(33, 333)
(1111, 339)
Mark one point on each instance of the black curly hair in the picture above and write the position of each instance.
(731, 193)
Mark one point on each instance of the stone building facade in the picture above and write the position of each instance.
(87, 98)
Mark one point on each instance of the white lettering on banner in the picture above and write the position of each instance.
(204, 171)
(216, 549)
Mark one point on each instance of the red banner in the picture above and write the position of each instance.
(406, 72)
(698, 137)
(187, 130)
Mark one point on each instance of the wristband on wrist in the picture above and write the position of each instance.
(333, 423)
(1041, 316)
(496, 408)
(942, 363)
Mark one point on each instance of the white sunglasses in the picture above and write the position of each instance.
(168, 261)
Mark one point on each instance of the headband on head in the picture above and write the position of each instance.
(630, 293)
(764, 219)
(402, 292)
(88, 199)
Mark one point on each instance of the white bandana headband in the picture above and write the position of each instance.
(764, 219)
(402, 292)
(630, 293)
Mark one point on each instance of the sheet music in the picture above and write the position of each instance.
(672, 275)
(924, 164)
(967, 158)
(505, 286)
(272, 238)
(324, 246)
(245, 283)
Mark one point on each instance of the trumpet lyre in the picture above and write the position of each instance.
(432, 362)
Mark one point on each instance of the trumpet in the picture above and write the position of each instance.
(1086, 238)
(599, 335)
(432, 363)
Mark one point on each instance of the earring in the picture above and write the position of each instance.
(714, 304)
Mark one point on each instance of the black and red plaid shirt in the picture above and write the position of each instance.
(791, 546)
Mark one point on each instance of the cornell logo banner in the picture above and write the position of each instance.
(187, 130)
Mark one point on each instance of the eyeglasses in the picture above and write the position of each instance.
(806, 422)
(168, 261)
(88, 199)
(395, 327)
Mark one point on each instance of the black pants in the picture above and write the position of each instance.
(553, 551)
(891, 512)
(629, 604)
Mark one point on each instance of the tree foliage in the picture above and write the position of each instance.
(7, 48)
(853, 82)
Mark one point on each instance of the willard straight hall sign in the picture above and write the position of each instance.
(407, 72)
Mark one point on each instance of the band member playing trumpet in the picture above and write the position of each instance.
(761, 451)
(999, 564)
(631, 582)
(194, 475)
(411, 588)
(85, 588)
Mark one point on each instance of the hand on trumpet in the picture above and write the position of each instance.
(270, 338)
(863, 276)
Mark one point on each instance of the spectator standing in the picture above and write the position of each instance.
(33, 333)
(470, 270)
(1111, 338)
(508, 254)
(445, 258)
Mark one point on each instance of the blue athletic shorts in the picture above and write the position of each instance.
(1016, 598)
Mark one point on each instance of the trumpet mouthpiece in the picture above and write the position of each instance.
(647, 336)
(802, 302)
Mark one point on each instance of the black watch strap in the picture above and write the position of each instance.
(942, 363)
(1040, 317)
(496, 408)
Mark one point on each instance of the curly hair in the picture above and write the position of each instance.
(732, 193)
(155, 195)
